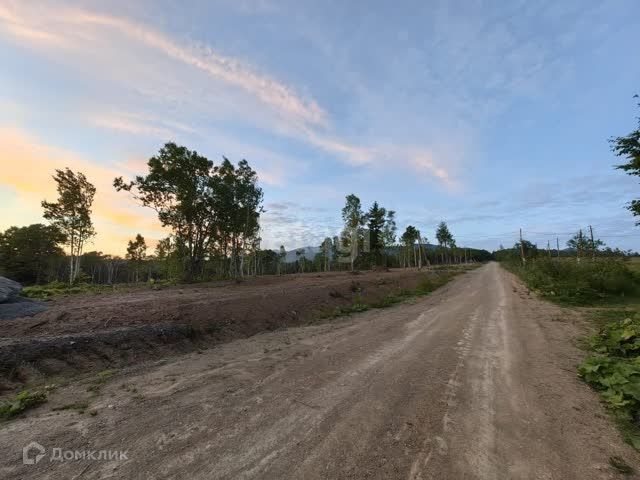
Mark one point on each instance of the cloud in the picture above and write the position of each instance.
(109, 47)
(65, 25)
(27, 166)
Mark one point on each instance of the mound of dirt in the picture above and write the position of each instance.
(90, 331)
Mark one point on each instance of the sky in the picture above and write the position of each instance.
(490, 115)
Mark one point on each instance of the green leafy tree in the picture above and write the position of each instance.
(71, 214)
(444, 237)
(376, 219)
(529, 249)
(582, 245)
(209, 208)
(389, 230)
(408, 239)
(282, 254)
(628, 147)
(165, 253)
(300, 258)
(178, 187)
(326, 252)
(136, 253)
(92, 264)
(353, 219)
(26, 253)
(238, 205)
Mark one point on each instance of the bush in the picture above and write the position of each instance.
(22, 401)
(617, 379)
(619, 339)
(579, 283)
(615, 373)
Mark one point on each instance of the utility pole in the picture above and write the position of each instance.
(593, 245)
(524, 260)
(558, 246)
(578, 246)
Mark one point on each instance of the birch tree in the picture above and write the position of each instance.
(71, 214)
(354, 219)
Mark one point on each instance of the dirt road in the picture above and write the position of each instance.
(474, 381)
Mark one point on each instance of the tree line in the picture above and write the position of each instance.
(213, 213)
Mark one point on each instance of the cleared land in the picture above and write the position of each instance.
(93, 332)
(474, 381)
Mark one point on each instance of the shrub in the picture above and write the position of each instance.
(22, 401)
(618, 381)
(619, 339)
(615, 373)
(585, 282)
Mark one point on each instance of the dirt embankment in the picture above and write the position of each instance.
(86, 332)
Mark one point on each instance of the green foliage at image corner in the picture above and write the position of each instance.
(618, 339)
(615, 372)
(21, 402)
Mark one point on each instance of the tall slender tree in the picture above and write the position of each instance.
(408, 238)
(282, 254)
(136, 253)
(376, 219)
(354, 219)
(71, 214)
(444, 237)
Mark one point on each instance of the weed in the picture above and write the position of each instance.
(104, 375)
(100, 380)
(79, 406)
(573, 283)
(615, 372)
(22, 402)
(620, 465)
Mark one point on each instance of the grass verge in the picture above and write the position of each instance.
(427, 285)
(613, 369)
(604, 281)
(57, 289)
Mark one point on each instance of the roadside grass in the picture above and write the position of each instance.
(613, 367)
(100, 379)
(426, 285)
(79, 407)
(610, 288)
(57, 289)
(23, 401)
(605, 281)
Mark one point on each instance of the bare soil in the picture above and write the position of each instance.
(97, 331)
(476, 381)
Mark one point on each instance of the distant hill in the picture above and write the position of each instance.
(311, 252)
